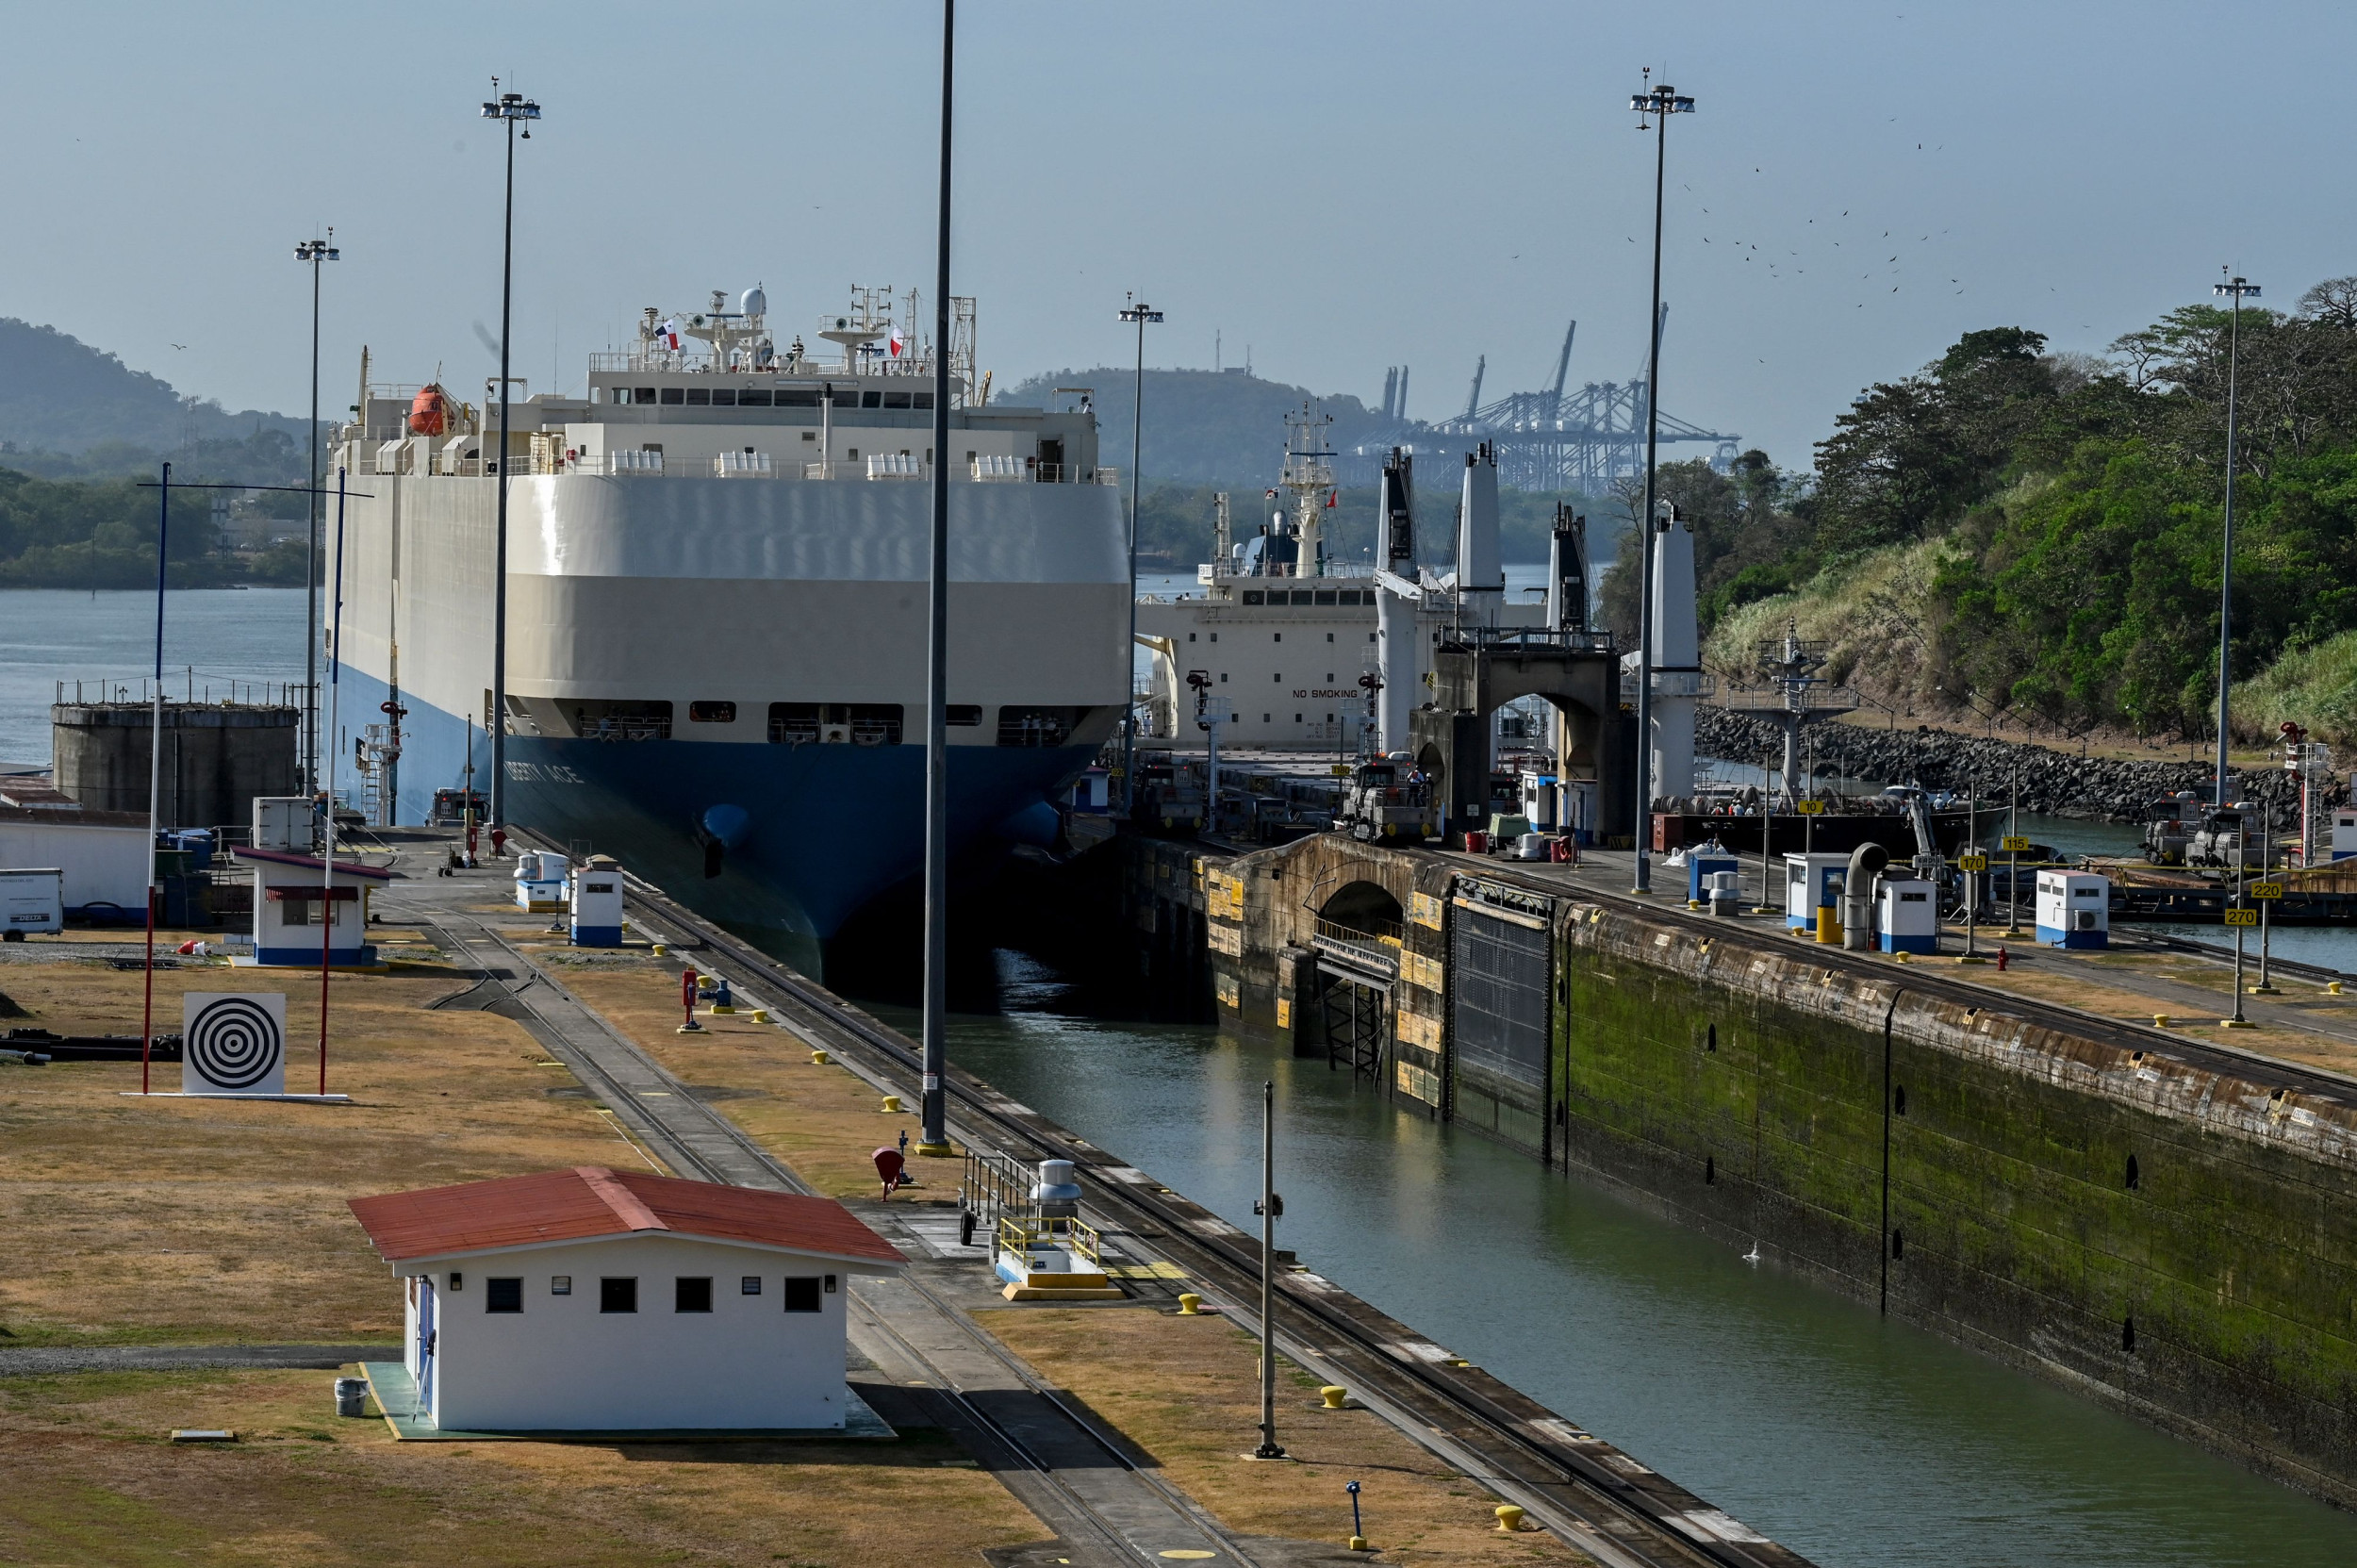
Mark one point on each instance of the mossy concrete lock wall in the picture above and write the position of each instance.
(2175, 1239)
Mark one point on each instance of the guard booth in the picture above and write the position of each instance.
(1812, 881)
(294, 897)
(597, 903)
(1907, 912)
(2074, 909)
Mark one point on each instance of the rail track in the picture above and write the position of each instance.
(1589, 1492)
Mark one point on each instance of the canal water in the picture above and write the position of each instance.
(1859, 1442)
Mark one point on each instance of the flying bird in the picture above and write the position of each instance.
(180, 345)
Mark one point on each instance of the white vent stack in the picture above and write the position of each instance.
(1677, 656)
(1396, 604)
(1480, 580)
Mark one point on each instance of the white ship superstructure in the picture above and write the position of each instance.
(1288, 632)
(717, 604)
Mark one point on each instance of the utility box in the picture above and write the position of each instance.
(542, 878)
(1541, 800)
(289, 822)
(1701, 862)
(597, 903)
(2344, 834)
(31, 899)
(1812, 881)
(1906, 914)
(2074, 909)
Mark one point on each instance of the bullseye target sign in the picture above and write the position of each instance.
(233, 1043)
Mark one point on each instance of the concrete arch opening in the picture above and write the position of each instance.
(1576, 674)
(1358, 942)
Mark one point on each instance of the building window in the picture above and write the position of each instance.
(560, 1284)
(748, 1285)
(692, 1296)
(801, 1293)
(1190, 636)
(617, 1295)
(503, 1296)
(1222, 675)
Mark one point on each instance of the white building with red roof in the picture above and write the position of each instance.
(592, 1300)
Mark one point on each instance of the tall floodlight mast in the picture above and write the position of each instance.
(1661, 102)
(509, 109)
(2235, 290)
(314, 252)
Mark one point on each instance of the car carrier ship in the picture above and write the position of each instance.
(717, 605)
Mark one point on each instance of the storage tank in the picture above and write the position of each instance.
(217, 757)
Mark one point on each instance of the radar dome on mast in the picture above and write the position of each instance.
(753, 302)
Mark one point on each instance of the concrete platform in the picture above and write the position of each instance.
(396, 1391)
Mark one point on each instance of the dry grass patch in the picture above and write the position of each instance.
(1186, 1392)
(100, 1486)
(193, 1221)
(823, 1121)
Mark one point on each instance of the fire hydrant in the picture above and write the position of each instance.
(2000, 958)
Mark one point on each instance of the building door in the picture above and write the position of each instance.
(426, 1346)
(1499, 1024)
(1051, 462)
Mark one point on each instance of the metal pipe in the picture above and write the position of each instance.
(155, 771)
(1269, 1448)
(933, 1120)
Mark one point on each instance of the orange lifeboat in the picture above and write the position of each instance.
(429, 412)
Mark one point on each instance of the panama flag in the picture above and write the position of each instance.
(899, 342)
(670, 333)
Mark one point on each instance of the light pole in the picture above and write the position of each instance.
(1137, 310)
(1662, 100)
(509, 108)
(315, 252)
(2233, 288)
(934, 1113)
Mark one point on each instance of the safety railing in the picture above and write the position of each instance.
(1028, 1235)
(1377, 950)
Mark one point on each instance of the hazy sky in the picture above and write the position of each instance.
(1341, 186)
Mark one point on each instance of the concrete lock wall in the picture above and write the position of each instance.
(217, 758)
(1967, 1170)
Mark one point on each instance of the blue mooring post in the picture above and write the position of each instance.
(1358, 1530)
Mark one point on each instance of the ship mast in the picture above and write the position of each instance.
(1309, 476)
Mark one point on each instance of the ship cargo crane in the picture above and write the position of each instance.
(1549, 439)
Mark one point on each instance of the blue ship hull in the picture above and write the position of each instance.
(817, 831)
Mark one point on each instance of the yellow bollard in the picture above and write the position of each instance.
(661, 952)
(2332, 988)
(1509, 1518)
(1190, 1304)
(1828, 924)
(2160, 1020)
(1901, 955)
(761, 1014)
(819, 1059)
(892, 1105)
(1333, 1393)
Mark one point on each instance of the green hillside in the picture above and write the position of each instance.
(2018, 531)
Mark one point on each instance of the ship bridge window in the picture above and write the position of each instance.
(1255, 595)
(674, 395)
(1303, 596)
(1325, 596)
(698, 397)
(753, 397)
(621, 394)
(793, 399)
(835, 723)
(922, 400)
(620, 719)
(1350, 596)
(712, 712)
(969, 714)
(724, 397)
(641, 394)
(896, 399)
(1036, 726)
(872, 400)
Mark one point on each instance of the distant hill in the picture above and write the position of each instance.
(70, 410)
